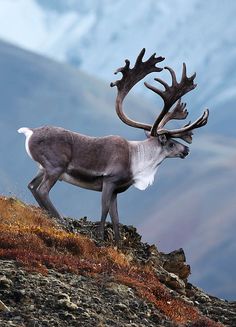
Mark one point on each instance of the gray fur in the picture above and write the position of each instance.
(107, 164)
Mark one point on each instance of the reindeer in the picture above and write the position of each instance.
(111, 164)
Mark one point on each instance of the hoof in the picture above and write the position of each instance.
(100, 233)
(117, 243)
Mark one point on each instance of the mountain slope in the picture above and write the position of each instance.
(52, 275)
(190, 205)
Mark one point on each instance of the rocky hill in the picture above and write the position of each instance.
(54, 275)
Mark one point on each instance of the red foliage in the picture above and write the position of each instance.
(28, 236)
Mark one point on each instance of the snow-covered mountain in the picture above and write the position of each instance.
(97, 36)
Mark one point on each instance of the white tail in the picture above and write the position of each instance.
(28, 133)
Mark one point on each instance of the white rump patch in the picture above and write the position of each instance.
(28, 133)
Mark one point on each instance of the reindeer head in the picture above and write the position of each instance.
(171, 148)
(171, 96)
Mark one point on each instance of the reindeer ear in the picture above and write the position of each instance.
(162, 139)
(148, 134)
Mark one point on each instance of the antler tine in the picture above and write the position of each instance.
(138, 72)
(161, 82)
(185, 132)
(122, 70)
(179, 112)
(155, 89)
(186, 136)
(171, 94)
(140, 57)
(173, 76)
(132, 76)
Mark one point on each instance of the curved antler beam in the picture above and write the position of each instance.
(132, 76)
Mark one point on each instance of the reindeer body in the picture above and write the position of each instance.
(79, 159)
(88, 162)
(111, 164)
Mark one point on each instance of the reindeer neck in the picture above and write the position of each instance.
(146, 156)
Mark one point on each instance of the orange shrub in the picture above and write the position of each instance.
(28, 236)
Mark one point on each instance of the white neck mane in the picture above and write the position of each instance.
(145, 159)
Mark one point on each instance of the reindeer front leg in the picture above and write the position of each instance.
(115, 217)
(107, 194)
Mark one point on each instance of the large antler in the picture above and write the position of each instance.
(130, 77)
(170, 95)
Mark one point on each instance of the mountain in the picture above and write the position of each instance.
(55, 274)
(190, 205)
(77, 32)
(96, 37)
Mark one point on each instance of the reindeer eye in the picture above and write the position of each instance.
(171, 145)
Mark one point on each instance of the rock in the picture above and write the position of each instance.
(18, 295)
(67, 304)
(33, 322)
(5, 282)
(174, 282)
(203, 298)
(66, 316)
(118, 288)
(175, 262)
(120, 306)
(3, 307)
(63, 296)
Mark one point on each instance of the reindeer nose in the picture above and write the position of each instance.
(186, 151)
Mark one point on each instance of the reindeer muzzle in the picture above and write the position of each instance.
(185, 152)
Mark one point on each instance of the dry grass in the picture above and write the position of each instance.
(28, 236)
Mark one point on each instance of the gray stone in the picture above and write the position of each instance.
(66, 304)
(3, 307)
(5, 282)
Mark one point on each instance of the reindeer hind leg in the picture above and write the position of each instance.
(49, 179)
(32, 186)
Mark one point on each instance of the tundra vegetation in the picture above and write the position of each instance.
(40, 245)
